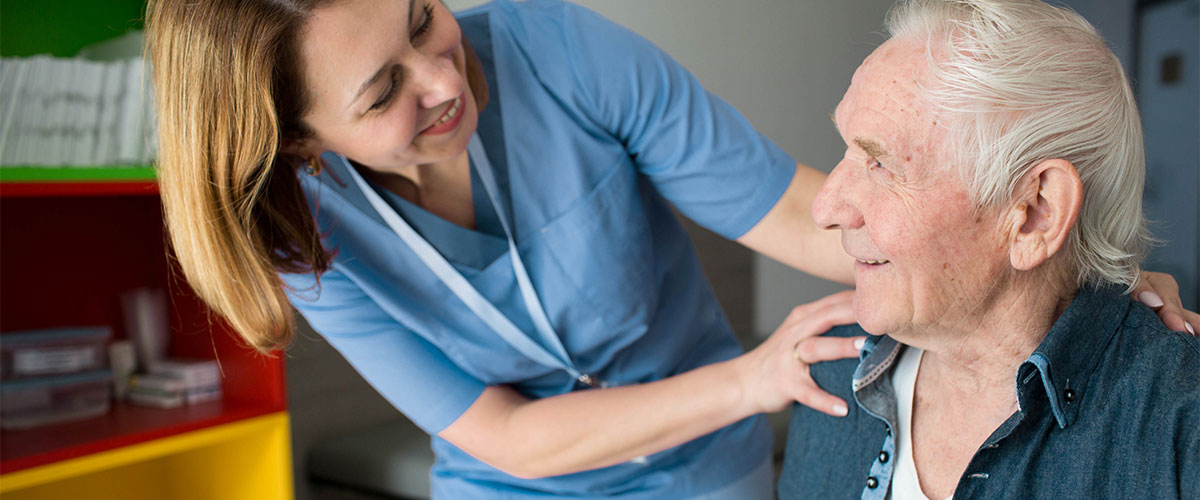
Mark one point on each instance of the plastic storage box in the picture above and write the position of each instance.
(25, 404)
(40, 353)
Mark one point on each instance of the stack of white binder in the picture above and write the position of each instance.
(60, 112)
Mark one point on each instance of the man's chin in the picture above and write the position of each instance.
(866, 320)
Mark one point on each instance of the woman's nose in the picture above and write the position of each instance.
(437, 80)
(834, 207)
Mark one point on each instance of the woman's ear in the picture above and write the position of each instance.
(1046, 204)
(304, 153)
(292, 146)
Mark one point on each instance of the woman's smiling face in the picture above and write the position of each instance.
(387, 82)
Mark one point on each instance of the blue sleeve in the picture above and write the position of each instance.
(699, 152)
(409, 372)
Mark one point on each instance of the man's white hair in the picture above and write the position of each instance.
(1020, 81)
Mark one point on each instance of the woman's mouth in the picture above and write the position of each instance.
(448, 121)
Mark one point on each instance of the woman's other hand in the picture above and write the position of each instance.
(776, 373)
(1160, 292)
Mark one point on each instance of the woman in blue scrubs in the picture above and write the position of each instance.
(475, 213)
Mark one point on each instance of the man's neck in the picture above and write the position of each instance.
(980, 354)
(966, 386)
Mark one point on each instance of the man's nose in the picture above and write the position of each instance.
(834, 206)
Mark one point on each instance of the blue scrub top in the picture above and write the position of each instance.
(593, 133)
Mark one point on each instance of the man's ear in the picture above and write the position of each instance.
(1046, 204)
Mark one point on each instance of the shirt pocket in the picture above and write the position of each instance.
(603, 245)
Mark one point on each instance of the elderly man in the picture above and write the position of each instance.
(991, 194)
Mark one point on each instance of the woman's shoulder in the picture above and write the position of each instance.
(551, 33)
(523, 14)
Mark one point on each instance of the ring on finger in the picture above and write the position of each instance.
(796, 352)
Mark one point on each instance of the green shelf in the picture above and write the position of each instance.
(62, 27)
(77, 174)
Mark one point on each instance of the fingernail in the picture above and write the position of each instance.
(1189, 328)
(1151, 299)
(840, 410)
(859, 343)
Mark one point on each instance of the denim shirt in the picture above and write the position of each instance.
(1109, 407)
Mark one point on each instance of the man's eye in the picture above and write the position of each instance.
(873, 163)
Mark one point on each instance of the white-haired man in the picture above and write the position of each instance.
(991, 194)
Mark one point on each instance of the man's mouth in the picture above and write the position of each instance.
(872, 262)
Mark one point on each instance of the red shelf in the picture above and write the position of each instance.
(125, 425)
(71, 248)
(77, 181)
(103, 188)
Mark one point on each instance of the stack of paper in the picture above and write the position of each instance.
(75, 112)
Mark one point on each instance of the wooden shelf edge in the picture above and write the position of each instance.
(157, 448)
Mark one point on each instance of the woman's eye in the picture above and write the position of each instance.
(424, 27)
(386, 98)
(383, 100)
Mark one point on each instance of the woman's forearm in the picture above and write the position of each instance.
(788, 233)
(595, 428)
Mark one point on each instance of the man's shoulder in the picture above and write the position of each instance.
(852, 330)
(1137, 416)
(1142, 341)
(828, 457)
(835, 377)
(1149, 362)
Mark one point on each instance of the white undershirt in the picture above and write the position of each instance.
(905, 484)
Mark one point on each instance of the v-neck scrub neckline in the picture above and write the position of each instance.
(470, 250)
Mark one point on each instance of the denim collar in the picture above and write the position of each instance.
(1063, 363)
(1067, 357)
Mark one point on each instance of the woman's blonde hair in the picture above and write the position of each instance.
(229, 92)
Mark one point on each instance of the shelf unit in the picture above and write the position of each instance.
(70, 248)
(74, 239)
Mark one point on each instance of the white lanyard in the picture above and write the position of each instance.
(471, 297)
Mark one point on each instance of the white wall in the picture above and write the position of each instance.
(784, 64)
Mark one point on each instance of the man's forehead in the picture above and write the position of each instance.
(902, 60)
(882, 113)
(884, 85)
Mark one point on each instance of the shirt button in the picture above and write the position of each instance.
(872, 482)
(1069, 395)
(883, 457)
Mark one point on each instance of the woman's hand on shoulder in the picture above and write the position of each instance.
(1160, 292)
(776, 373)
